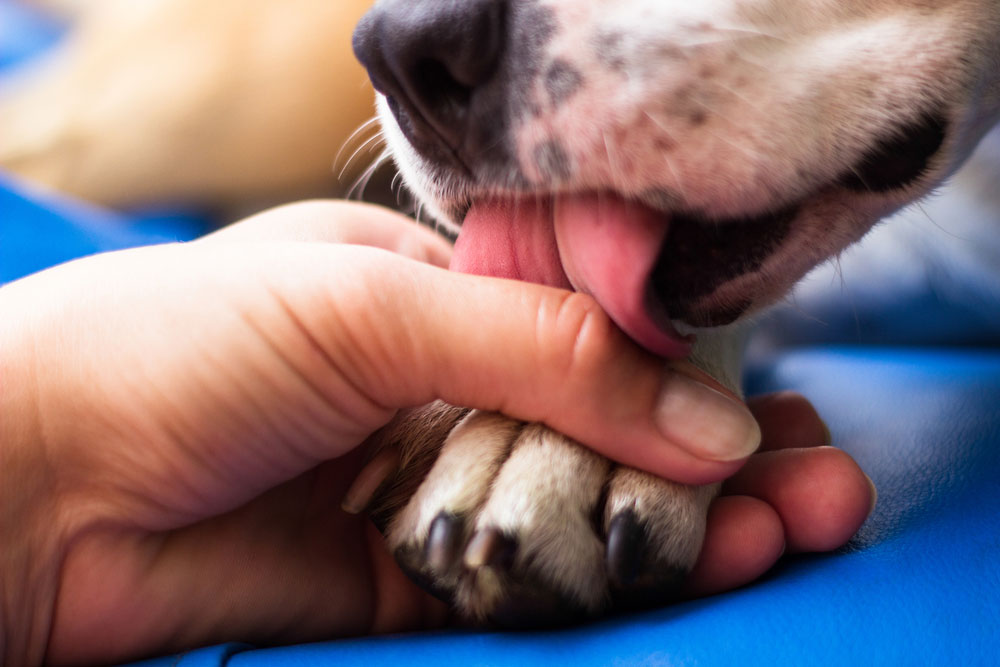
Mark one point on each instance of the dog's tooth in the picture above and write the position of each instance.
(625, 546)
(444, 542)
(489, 547)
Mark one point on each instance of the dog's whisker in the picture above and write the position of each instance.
(920, 207)
(861, 179)
(362, 181)
(357, 189)
(396, 185)
(369, 145)
(838, 274)
(791, 302)
(347, 167)
(364, 127)
(354, 192)
(368, 125)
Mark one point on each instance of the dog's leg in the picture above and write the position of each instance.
(229, 103)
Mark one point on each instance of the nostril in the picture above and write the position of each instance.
(430, 58)
(435, 84)
(899, 160)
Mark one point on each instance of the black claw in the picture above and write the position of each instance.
(490, 548)
(626, 547)
(444, 542)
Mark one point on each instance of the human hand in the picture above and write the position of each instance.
(178, 425)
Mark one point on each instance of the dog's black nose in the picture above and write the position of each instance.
(429, 58)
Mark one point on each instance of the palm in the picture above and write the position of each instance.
(287, 566)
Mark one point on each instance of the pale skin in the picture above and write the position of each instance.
(178, 426)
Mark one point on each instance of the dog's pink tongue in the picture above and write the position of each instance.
(600, 245)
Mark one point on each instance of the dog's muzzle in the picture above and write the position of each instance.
(454, 72)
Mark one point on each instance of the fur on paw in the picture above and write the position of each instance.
(517, 525)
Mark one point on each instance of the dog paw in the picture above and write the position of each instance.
(518, 525)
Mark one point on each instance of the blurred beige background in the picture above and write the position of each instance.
(227, 104)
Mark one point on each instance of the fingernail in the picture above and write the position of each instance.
(705, 422)
(364, 486)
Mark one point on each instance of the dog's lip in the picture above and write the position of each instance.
(596, 243)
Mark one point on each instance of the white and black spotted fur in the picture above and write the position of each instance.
(775, 133)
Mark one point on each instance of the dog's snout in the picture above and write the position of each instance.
(429, 58)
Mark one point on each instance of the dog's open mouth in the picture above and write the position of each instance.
(643, 266)
(649, 268)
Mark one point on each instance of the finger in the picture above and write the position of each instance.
(337, 221)
(531, 352)
(333, 339)
(820, 493)
(788, 419)
(399, 604)
(744, 538)
(796, 500)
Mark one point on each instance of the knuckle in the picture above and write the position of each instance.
(584, 336)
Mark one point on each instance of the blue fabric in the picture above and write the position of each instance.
(203, 657)
(39, 229)
(25, 33)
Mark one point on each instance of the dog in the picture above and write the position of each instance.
(684, 163)
(228, 106)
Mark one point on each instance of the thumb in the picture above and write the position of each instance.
(405, 333)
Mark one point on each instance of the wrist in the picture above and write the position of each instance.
(29, 557)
